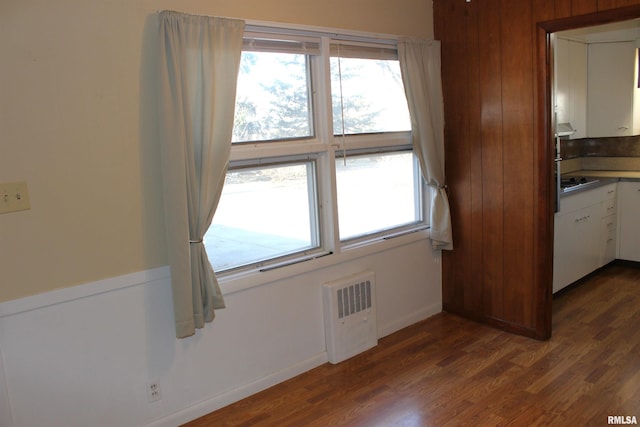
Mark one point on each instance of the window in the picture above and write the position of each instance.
(321, 155)
(264, 213)
(367, 96)
(272, 100)
(377, 192)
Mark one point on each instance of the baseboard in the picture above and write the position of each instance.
(222, 400)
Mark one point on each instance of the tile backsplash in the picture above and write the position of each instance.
(601, 154)
(611, 163)
(622, 146)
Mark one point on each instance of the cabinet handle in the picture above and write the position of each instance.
(582, 218)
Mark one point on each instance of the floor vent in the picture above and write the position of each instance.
(350, 316)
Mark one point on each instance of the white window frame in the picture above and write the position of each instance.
(324, 147)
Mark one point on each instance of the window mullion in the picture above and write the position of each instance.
(321, 83)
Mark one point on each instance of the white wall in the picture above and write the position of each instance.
(83, 356)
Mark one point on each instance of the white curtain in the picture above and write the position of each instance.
(199, 62)
(421, 75)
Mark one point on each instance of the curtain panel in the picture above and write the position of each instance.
(199, 63)
(421, 75)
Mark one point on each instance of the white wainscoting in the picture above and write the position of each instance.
(82, 356)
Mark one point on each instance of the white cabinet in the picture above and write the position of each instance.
(611, 89)
(571, 85)
(585, 234)
(629, 195)
(577, 234)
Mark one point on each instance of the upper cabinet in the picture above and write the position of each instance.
(611, 89)
(596, 80)
(571, 85)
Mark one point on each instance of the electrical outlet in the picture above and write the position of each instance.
(153, 392)
(14, 196)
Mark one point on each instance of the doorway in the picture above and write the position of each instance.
(547, 32)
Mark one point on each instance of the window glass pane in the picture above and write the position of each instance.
(272, 100)
(264, 213)
(376, 192)
(373, 98)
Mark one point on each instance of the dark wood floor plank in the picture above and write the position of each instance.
(447, 371)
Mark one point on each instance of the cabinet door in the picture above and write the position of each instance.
(578, 88)
(629, 210)
(610, 89)
(577, 248)
(562, 81)
(571, 85)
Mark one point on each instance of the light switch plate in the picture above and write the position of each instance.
(14, 196)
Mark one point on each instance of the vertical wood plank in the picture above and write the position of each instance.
(606, 4)
(519, 190)
(582, 7)
(456, 273)
(474, 294)
(490, 77)
(442, 22)
(563, 8)
(624, 3)
(543, 176)
(438, 19)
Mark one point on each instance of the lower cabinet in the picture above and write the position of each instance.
(585, 234)
(629, 220)
(576, 249)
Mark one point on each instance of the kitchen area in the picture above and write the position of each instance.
(596, 105)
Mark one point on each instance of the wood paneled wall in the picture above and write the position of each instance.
(498, 154)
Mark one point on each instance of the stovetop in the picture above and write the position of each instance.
(573, 183)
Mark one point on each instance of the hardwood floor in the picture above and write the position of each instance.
(446, 371)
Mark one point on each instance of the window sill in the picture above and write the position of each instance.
(363, 242)
(240, 281)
